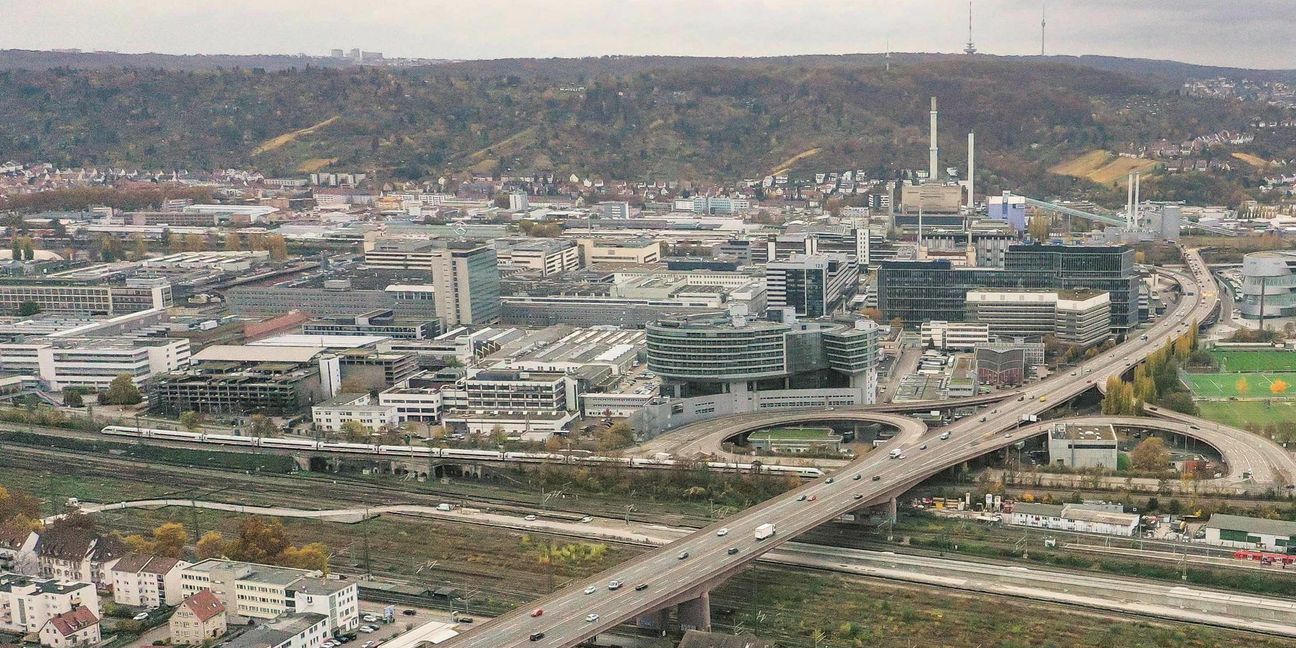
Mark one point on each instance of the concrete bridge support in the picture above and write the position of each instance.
(654, 620)
(695, 614)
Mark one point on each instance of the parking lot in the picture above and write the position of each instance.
(427, 624)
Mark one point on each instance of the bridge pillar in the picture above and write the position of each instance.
(696, 614)
(891, 517)
(653, 620)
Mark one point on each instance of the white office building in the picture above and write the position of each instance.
(254, 591)
(93, 362)
(940, 334)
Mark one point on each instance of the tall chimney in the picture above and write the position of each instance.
(971, 179)
(933, 150)
(1136, 198)
(1129, 200)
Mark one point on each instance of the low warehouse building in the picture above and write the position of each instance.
(1241, 532)
(1074, 517)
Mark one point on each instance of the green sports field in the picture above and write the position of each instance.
(1239, 413)
(1222, 386)
(1235, 361)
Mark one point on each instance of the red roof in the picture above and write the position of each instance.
(204, 605)
(72, 622)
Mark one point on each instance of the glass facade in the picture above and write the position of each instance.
(922, 291)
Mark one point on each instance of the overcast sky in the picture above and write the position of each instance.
(1245, 33)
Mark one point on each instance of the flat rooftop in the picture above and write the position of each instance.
(1102, 432)
(256, 353)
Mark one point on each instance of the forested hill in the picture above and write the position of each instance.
(621, 117)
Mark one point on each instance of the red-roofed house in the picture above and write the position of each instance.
(197, 619)
(80, 627)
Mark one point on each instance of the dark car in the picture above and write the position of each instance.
(877, 477)
(641, 587)
(733, 550)
(537, 636)
(409, 612)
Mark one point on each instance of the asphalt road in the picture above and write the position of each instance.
(690, 566)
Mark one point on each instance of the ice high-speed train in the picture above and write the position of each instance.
(448, 453)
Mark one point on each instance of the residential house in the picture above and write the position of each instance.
(71, 553)
(199, 618)
(27, 603)
(18, 551)
(147, 581)
(80, 627)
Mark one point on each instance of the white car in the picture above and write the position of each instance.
(530, 518)
(722, 532)
(590, 590)
(591, 618)
(140, 617)
(368, 628)
(587, 519)
(369, 618)
(614, 584)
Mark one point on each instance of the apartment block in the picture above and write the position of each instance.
(254, 591)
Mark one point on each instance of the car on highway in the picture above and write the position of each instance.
(591, 617)
(537, 612)
(591, 589)
(732, 550)
(683, 555)
(812, 498)
(587, 519)
(641, 587)
(530, 518)
(922, 447)
(944, 436)
(802, 498)
(830, 480)
(537, 636)
(877, 477)
(859, 496)
(722, 532)
(614, 584)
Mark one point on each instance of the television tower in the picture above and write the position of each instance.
(971, 47)
(1042, 24)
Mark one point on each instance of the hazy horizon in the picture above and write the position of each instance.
(1251, 34)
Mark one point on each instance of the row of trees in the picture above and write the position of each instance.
(258, 539)
(22, 248)
(1156, 380)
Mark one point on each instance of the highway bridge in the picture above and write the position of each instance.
(684, 572)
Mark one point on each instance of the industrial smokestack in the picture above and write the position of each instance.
(971, 179)
(1129, 199)
(1136, 198)
(933, 150)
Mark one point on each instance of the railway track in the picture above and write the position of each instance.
(308, 490)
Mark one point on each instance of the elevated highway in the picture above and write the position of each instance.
(683, 572)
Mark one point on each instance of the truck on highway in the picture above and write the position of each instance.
(764, 531)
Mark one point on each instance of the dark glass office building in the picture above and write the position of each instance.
(921, 291)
